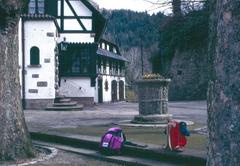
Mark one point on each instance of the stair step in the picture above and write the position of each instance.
(65, 100)
(60, 96)
(65, 104)
(68, 108)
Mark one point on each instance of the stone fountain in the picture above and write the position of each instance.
(153, 100)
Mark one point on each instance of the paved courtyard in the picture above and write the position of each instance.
(108, 113)
(100, 115)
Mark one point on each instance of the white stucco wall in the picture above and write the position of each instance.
(107, 94)
(76, 87)
(71, 24)
(36, 35)
(77, 37)
(80, 8)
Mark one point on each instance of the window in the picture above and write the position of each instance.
(36, 7)
(32, 7)
(99, 64)
(104, 65)
(110, 65)
(116, 68)
(41, 6)
(34, 56)
(121, 68)
(85, 60)
(115, 50)
(76, 61)
(80, 62)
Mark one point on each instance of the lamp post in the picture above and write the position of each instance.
(141, 46)
(64, 45)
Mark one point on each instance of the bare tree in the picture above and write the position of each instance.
(178, 7)
(15, 141)
(224, 88)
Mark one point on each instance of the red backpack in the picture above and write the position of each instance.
(177, 133)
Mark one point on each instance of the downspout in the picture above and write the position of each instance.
(23, 65)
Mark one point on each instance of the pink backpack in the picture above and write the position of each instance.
(112, 141)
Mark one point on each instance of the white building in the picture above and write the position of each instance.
(61, 53)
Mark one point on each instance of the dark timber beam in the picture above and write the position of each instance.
(76, 16)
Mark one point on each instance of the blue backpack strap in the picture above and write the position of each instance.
(183, 129)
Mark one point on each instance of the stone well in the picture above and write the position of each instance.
(153, 101)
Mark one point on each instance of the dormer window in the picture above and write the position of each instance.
(111, 48)
(114, 50)
(36, 7)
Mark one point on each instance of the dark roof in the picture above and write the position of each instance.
(109, 54)
(91, 7)
(110, 43)
(81, 44)
(38, 17)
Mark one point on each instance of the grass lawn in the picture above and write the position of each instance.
(141, 134)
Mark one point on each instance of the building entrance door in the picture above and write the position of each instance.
(121, 90)
(100, 90)
(114, 91)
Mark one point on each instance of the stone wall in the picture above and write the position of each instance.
(188, 72)
(38, 104)
(86, 101)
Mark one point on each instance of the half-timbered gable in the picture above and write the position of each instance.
(77, 20)
(62, 53)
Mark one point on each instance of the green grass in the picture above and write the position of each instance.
(141, 134)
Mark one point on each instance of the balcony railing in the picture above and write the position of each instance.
(112, 72)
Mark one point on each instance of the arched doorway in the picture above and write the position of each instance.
(121, 90)
(114, 91)
(100, 90)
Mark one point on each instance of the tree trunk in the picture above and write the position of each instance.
(224, 87)
(15, 141)
(176, 8)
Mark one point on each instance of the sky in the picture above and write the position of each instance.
(136, 5)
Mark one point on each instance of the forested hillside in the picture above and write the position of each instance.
(127, 29)
(174, 47)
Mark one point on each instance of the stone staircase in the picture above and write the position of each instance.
(61, 103)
